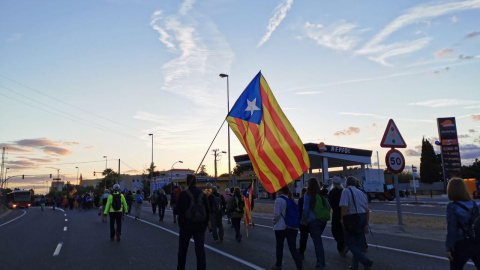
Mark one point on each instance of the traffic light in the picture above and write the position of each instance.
(23, 176)
(93, 173)
(50, 175)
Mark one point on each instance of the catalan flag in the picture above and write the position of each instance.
(247, 197)
(74, 190)
(275, 150)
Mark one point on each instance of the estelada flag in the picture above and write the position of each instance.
(275, 150)
(74, 190)
(247, 197)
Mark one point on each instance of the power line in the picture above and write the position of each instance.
(66, 103)
(80, 120)
(129, 166)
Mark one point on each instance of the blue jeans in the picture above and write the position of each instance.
(291, 235)
(316, 228)
(356, 244)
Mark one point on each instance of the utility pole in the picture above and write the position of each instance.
(215, 160)
(118, 171)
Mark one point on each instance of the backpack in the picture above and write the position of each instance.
(117, 202)
(139, 199)
(217, 204)
(292, 215)
(321, 208)
(473, 230)
(196, 211)
(238, 205)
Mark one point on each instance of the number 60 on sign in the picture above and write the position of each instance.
(395, 161)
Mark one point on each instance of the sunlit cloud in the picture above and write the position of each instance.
(53, 150)
(13, 148)
(472, 35)
(349, 131)
(443, 52)
(412, 153)
(280, 13)
(476, 117)
(36, 142)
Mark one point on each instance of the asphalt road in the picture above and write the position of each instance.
(32, 239)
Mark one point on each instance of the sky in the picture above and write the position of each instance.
(80, 80)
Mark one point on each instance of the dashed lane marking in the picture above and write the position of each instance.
(64, 229)
(57, 250)
(206, 246)
(24, 212)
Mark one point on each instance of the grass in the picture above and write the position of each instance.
(419, 222)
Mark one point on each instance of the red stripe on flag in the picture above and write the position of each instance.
(280, 152)
(266, 159)
(283, 130)
(265, 181)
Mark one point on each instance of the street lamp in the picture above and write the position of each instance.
(77, 174)
(106, 160)
(171, 172)
(222, 75)
(151, 165)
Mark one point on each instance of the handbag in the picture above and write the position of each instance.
(351, 222)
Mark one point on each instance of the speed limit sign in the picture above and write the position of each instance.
(395, 161)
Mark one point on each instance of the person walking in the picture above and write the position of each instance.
(217, 208)
(316, 213)
(193, 211)
(355, 215)
(462, 212)
(138, 204)
(282, 231)
(115, 207)
(162, 202)
(153, 201)
(303, 227)
(337, 229)
(103, 204)
(236, 206)
(226, 196)
(42, 202)
(129, 199)
(173, 200)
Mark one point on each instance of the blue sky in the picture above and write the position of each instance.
(80, 80)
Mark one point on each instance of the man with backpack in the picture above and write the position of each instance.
(162, 202)
(286, 220)
(217, 208)
(116, 206)
(193, 212)
(236, 206)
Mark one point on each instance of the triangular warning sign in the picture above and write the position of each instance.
(392, 137)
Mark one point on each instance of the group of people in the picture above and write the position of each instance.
(347, 208)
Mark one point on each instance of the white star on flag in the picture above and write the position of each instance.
(252, 106)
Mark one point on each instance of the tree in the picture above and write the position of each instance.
(239, 169)
(430, 165)
(110, 178)
(203, 171)
(32, 192)
(472, 171)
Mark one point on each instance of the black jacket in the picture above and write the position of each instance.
(334, 200)
(183, 203)
(211, 201)
(162, 200)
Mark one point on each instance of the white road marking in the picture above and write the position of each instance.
(64, 229)
(57, 250)
(409, 213)
(24, 212)
(206, 246)
(66, 219)
(387, 248)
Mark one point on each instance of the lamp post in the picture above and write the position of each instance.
(171, 172)
(222, 75)
(151, 164)
(106, 160)
(77, 174)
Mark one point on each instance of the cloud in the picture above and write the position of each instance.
(462, 57)
(14, 37)
(197, 60)
(89, 147)
(435, 103)
(341, 36)
(379, 52)
(349, 131)
(469, 151)
(443, 52)
(280, 13)
(472, 35)
(463, 136)
(412, 153)
(418, 148)
(472, 130)
(454, 19)
(36, 142)
(12, 148)
(21, 164)
(53, 150)
(310, 93)
(70, 143)
(475, 117)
